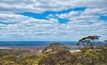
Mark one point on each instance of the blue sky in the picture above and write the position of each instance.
(62, 20)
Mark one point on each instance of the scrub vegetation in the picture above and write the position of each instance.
(58, 54)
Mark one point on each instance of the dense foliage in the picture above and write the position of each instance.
(19, 57)
(58, 54)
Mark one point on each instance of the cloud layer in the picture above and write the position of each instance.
(80, 23)
(48, 5)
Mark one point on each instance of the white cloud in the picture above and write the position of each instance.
(27, 27)
(50, 29)
(95, 11)
(47, 5)
(81, 23)
(69, 15)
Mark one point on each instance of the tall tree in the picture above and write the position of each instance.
(88, 41)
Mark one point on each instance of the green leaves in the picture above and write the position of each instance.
(57, 54)
(55, 47)
(87, 41)
(91, 54)
(59, 58)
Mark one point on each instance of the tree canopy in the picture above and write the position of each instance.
(55, 47)
(88, 41)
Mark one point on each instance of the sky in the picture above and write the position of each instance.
(64, 20)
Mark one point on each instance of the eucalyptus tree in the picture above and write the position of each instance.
(57, 54)
(87, 49)
(88, 41)
(55, 47)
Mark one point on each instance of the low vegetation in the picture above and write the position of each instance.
(58, 54)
